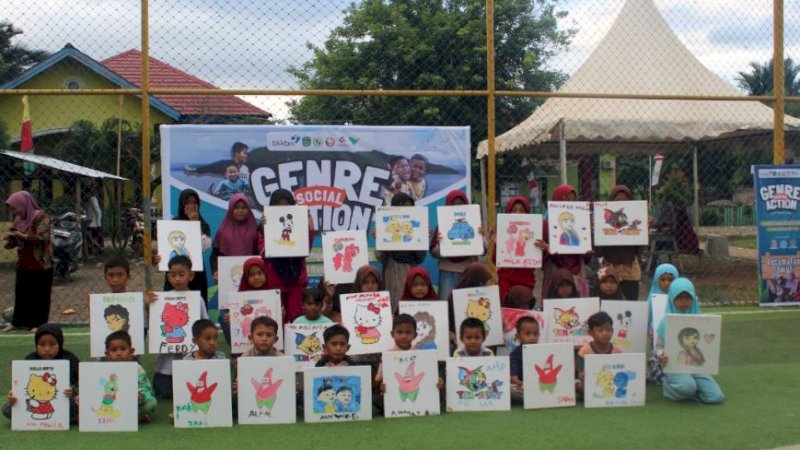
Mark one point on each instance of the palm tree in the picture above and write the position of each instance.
(15, 59)
(758, 81)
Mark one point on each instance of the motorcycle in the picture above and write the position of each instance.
(67, 238)
(130, 233)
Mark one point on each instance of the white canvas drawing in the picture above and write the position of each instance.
(569, 227)
(510, 318)
(109, 396)
(630, 324)
(246, 306)
(659, 302)
(38, 386)
(548, 375)
(410, 378)
(229, 275)
(171, 318)
(458, 226)
(621, 223)
(433, 328)
(368, 317)
(286, 231)
(482, 303)
(692, 343)
(478, 384)
(116, 312)
(516, 235)
(401, 228)
(303, 342)
(201, 392)
(266, 390)
(180, 237)
(343, 252)
(337, 394)
(566, 319)
(615, 380)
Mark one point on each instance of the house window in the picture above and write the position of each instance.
(72, 83)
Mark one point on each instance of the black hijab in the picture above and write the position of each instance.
(288, 269)
(404, 257)
(185, 194)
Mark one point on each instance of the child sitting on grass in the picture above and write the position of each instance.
(337, 340)
(601, 329)
(263, 336)
(527, 333)
(473, 334)
(204, 337)
(119, 348)
(49, 341)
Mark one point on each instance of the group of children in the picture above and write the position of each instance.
(238, 235)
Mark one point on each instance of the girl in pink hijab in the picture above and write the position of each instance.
(30, 235)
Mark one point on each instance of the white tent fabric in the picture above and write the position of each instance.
(61, 165)
(640, 55)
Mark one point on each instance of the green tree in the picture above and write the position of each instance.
(15, 58)
(432, 44)
(759, 81)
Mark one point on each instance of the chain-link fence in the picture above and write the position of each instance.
(360, 60)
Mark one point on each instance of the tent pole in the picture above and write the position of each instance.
(696, 189)
(562, 151)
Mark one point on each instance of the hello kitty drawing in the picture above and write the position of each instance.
(368, 318)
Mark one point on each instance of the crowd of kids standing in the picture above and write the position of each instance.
(239, 234)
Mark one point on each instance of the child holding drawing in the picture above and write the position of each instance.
(508, 277)
(601, 329)
(680, 386)
(119, 348)
(527, 334)
(664, 275)
(624, 258)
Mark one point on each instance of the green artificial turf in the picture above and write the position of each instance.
(759, 375)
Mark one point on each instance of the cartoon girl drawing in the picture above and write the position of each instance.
(426, 331)
(177, 241)
(691, 354)
(117, 318)
(569, 236)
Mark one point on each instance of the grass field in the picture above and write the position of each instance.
(759, 374)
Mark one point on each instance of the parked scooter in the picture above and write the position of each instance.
(67, 237)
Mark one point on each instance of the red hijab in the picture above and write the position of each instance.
(518, 199)
(236, 238)
(570, 262)
(244, 285)
(413, 273)
(30, 210)
(561, 192)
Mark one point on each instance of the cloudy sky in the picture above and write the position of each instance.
(251, 43)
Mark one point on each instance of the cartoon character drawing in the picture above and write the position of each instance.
(399, 231)
(327, 396)
(568, 319)
(480, 309)
(691, 354)
(344, 261)
(618, 220)
(368, 318)
(177, 241)
(174, 318)
(310, 346)
(621, 380)
(344, 400)
(461, 230)
(548, 376)
(249, 313)
(41, 391)
(201, 394)
(475, 382)
(236, 276)
(517, 239)
(266, 390)
(110, 389)
(569, 237)
(287, 224)
(605, 379)
(117, 318)
(426, 331)
(625, 321)
(409, 383)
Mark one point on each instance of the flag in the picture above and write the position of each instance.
(26, 133)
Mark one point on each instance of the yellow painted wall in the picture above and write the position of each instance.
(53, 111)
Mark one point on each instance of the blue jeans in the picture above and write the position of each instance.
(701, 388)
(447, 281)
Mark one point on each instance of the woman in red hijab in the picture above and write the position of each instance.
(31, 237)
(573, 263)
